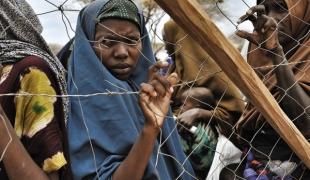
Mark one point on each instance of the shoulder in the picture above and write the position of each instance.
(33, 62)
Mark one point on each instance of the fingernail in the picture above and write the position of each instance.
(155, 93)
(239, 21)
(263, 30)
(171, 89)
(249, 11)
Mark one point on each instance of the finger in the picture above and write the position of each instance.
(163, 84)
(164, 80)
(173, 79)
(156, 67)
(246, 35)
(185, 123)
(245, 17)
(270, 24)
(144, 97)
(148, 89)
(182, 119)
(159, 87)
(271, 34)
(259, 9)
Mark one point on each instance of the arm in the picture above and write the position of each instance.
(36, 120)
(17, 162)
(197, 114)
(154, 102)
(296, 100)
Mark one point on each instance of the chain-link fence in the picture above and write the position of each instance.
(218, 125)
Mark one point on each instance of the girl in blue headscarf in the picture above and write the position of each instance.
(123, 136)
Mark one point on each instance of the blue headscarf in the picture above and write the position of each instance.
(110, 125)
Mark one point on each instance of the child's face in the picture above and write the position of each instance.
(118, 46)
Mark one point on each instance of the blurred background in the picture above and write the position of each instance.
(58, 18)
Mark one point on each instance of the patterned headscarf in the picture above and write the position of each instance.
(20, 36)
(122, 9)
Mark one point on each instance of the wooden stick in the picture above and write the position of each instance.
(189, 15)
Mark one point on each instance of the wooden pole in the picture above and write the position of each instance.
(189, 15)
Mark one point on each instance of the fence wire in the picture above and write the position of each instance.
(203, 72)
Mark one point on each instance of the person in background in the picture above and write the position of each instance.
(195, 68)
(199, 139)
(279, 52)
(123, 135)
(33, 142)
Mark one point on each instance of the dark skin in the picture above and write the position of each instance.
(195, 101)
(17, 162)
(16, 157)
(272, 31)
(193, 110)
(118, 46)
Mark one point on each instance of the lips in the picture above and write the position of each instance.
(121, 69)
(121, 66)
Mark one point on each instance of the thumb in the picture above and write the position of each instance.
(173, 79)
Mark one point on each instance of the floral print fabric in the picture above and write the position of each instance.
(35, 120)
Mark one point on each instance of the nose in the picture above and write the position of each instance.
(121, 51)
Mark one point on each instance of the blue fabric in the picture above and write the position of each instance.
(113, 122)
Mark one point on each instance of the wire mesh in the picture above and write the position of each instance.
(205, 72)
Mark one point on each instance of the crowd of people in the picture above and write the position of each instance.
(157, 126)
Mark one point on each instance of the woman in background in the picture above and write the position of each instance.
(36, 123)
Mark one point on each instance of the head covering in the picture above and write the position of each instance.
(300, 18)
(20, 37)
(191, 59)
(104, 128)
(120, 9)
(19, 22)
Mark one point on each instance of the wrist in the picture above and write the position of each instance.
(277, 51)
(150, 130)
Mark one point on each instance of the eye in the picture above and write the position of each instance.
(106, 42)
(132, 41)
(109, 42)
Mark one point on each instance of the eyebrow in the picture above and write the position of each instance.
(114, 36)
